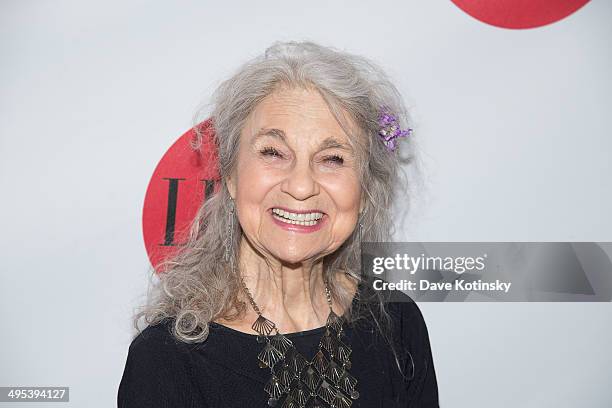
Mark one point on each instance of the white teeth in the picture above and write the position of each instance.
(313, 216)
(297, 219)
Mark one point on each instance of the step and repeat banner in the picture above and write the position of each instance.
(505, 244)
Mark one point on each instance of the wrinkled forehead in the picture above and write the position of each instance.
(300, 115)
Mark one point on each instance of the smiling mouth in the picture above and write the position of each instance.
(306, 219)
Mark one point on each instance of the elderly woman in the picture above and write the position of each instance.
(267, 305)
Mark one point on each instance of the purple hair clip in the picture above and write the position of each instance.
(390, 129)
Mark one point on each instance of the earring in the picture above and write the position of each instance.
(360, 227)
(230, 231)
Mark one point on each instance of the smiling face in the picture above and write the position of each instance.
(296, 184)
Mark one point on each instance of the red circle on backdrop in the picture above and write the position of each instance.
(519, 14)
(182, 180)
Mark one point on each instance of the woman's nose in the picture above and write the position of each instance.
(300, 182)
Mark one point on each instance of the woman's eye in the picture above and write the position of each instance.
(336, 159)
(270, 151)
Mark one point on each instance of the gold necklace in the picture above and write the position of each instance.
(322, 382)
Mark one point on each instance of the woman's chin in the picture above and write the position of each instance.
(293, 259)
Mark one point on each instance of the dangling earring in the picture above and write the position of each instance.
(361, 214)
(230, 231)
(360, 238)
(360, 231)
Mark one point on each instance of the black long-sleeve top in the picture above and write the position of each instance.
(223, 371)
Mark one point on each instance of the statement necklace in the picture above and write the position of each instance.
(295, 381)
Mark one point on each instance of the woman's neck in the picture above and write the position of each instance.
(291, 295)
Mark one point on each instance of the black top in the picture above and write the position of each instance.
(223, 371)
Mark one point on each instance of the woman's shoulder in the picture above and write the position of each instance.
(400, 306)
(157, 372)
(157, 341)
(156, 334)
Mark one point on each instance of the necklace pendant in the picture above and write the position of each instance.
(269, 356)
(274, 388)
(299, 395)
(296, 382)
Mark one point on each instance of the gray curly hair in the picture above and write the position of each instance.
(197, 285)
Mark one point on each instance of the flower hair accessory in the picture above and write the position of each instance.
(390, 129)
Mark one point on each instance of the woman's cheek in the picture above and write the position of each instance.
(345, 191)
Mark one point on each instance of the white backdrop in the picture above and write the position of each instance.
(513, 127)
